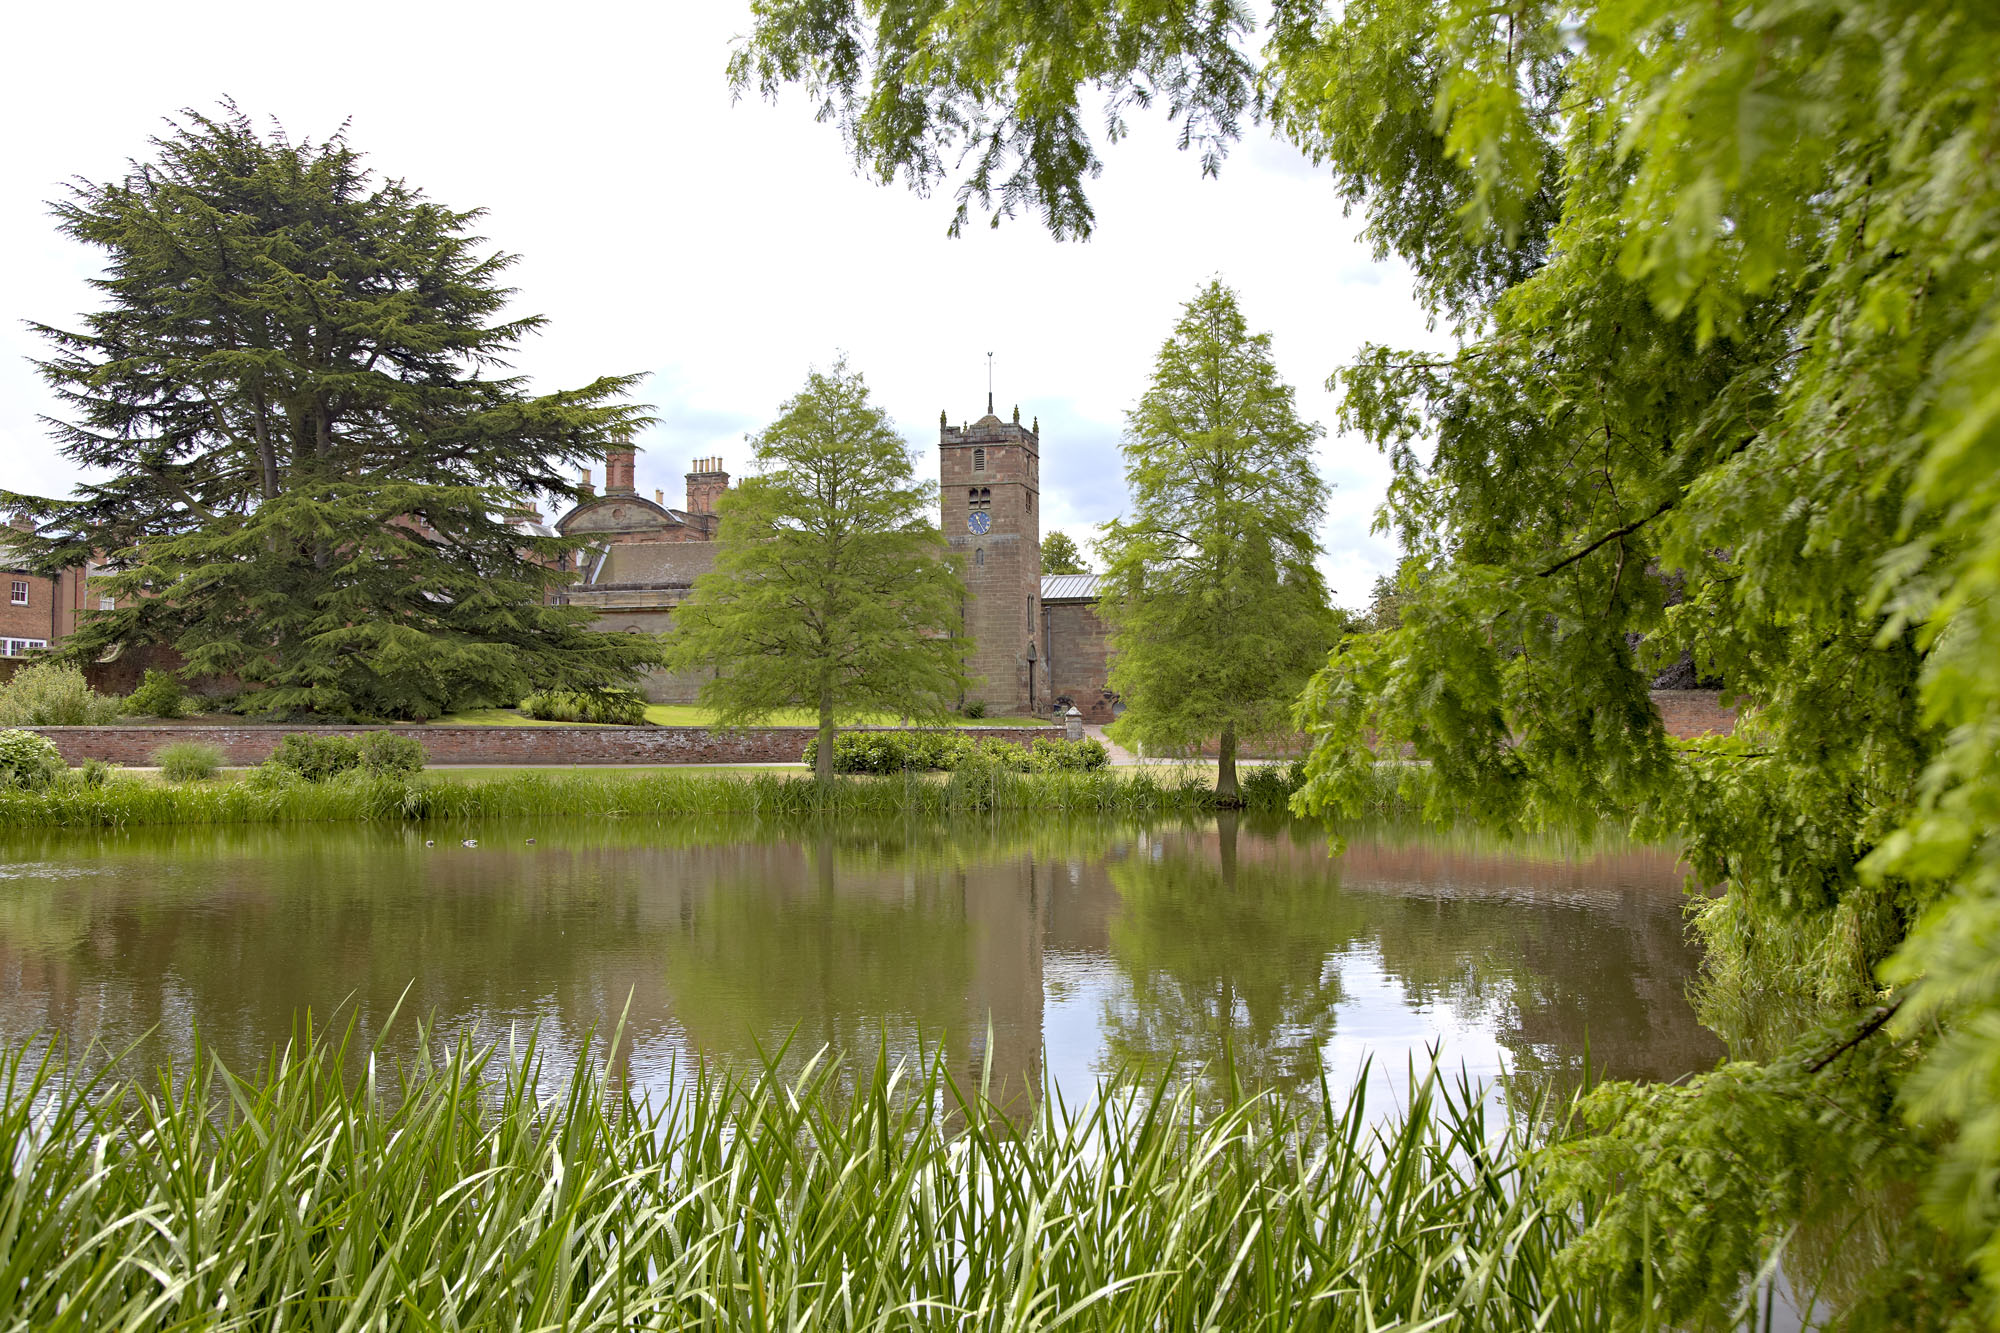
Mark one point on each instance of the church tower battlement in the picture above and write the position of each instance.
(989, 478)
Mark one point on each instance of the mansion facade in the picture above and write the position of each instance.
(1037, 644)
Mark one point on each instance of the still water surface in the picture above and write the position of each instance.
(1079, 948)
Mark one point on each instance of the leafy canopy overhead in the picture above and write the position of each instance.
(314, 472)
(833, 588)
(1216, 612)
(1728, 383)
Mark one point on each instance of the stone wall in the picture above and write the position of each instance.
(248, 744)
(1078, 656)
(999, 464)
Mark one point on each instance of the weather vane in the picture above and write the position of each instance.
(989, 384)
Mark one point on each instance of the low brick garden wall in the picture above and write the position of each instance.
(1690, 713)
(498, 746)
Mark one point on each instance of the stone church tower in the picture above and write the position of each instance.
(989, 475)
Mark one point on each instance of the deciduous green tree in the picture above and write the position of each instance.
(1060, 556)
(313, 470)
(1724, 280)
(1216, 612)
(833, 588)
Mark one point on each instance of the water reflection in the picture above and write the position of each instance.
(1050, 951)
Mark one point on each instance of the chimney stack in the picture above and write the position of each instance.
(706, 481)
(619, 462)
(584, 484)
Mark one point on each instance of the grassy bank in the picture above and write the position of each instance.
(129, 801)
(452, 1195)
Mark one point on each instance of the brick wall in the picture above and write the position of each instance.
(1691, 713)
(247, 744)
(38, 618)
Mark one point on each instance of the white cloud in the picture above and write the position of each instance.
(722, 248)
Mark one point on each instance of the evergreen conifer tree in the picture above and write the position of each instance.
(832, 589)
(1216, 611)
(315, 474)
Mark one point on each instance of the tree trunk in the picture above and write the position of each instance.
(823, 765)
(1226, 791)
(1225, 847)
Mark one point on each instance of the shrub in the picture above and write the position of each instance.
(91, 773)
(945, 751)
(1271, 786)
(625, 707)
(28, 761)
(316, 758)
(158, 695)
(188, 761)
(386, 754)
(974, 708)
(53, 694)
(1054, 756)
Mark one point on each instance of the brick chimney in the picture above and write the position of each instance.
(619, 462)
(706, 483)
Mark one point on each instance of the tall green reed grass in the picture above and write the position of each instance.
(358, 796)
(450, 1194)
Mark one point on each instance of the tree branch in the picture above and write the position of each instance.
(1608, 537)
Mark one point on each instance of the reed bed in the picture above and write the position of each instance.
(449, 1194)
(356, 796)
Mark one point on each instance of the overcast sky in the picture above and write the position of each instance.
(721, 248)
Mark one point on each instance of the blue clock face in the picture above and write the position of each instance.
(979, 522)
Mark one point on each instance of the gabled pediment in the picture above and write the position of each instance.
(618, 514)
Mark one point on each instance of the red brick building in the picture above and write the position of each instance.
(35, 612)
(1034, 650)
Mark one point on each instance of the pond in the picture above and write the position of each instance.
(1048, 952)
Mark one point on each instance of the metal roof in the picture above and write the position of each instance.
(1069, 587)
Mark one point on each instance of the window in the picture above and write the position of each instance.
(1031, 502)
(979, 557)
(107, 603)
(978, 460)
(20, 592)
(20, 647)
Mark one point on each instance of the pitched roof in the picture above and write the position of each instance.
(1069, 587)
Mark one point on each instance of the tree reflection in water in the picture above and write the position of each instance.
(1187, 941)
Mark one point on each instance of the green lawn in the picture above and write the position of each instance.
(693, 715)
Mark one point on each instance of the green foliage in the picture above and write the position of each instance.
(546, 1200)
(188, 761)
(385, 754)
(310, 758)
(1061, 556)
(1724, 284)
(92, 773)
(881, 752)
(158, 695)
(27, 761)
(973, 709)
(277, 795)
(622, 707)
(315, 758)
(313, 476)
(832, 590)
(1684, 1180)
(53, 694)
(1216, 611)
